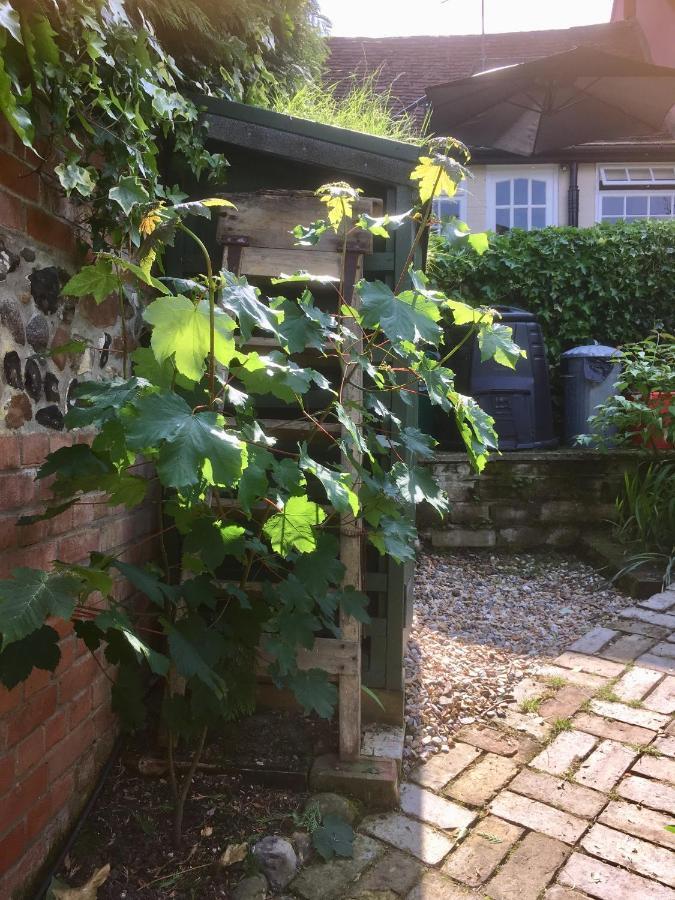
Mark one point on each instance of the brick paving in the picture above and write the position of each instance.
(568, 807)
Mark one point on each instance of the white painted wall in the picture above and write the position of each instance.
(476, 205)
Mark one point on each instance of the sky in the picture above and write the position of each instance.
(382, 18)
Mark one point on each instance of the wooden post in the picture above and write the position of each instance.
(350, 554)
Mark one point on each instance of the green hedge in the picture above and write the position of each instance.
(609, 283)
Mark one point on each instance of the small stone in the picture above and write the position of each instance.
(9, 261)
(100, 315)
(50, 417)
(330, 881)
(233, 853)
(12, 369)
(277, 859)
(303, 846)
(45, 287)
(19, 411)
(330, 804)
(395, 871)
(252, 888)
(28, 254)
(33, 379)
(104, 354)
(52, 388)
(60, 339)
(37, 332)
(11, 318)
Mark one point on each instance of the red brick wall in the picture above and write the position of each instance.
(56, 729)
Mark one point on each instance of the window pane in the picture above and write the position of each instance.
(503, 194)
(520, 186)
(538, 191)
(446, 206)
(539, 217)
(520, 217)
(636, 206)
(503, 217)
(660, 206)
(612, 206)
(611, 219)
(636, 174)
(614, 174)
(663, 173)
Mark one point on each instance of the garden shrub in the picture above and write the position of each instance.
(609, 283)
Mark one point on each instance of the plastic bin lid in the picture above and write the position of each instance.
(514, 314)
(593, 351)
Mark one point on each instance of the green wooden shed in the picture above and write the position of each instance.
(268, 151)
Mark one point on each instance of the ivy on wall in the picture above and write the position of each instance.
(99, 89)
(609, 283)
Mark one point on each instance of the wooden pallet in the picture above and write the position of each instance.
(257, 241)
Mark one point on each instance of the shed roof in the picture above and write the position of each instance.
(300, 140)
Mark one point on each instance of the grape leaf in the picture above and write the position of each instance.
(395, 537)
(189, 443)
(417, 484)
(128, 193)
(39, 649)
(253, 483)
(30, 597)
(195, 649)
(409, 316)
(354, 603)
(146, 582)
(436, 175)
(181, 330)
(336, 484)
(496, 342)
(116, 620)
(99, 280)
(293, 527)
(274, 374)
(99, 401)
(417, 442)
(314, 692)
(333, 837)
(241, 298)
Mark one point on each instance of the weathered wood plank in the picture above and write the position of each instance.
(267, 219)
(336, 657)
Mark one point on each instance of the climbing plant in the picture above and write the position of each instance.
(189, 403)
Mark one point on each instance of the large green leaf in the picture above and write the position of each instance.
(192, 445)
(116, 620)
(416, 484)
(314, 692)
(100, 401)
(100, 280)
(409, 316)
(337, 485)
(303, 324)
(395, 537)
(74, 177)
(277, 375)
(30, 597)
(253, 483)
(9, 20)
(195, 649)
(241, 299)
(181, 330)
(496, 342)
(333, 837)
(293, 527)
(39, 650)
(128, 193)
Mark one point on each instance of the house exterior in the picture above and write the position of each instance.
(595, 182)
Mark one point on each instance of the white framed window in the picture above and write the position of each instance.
(630, 191)
(521, 197)
(445, 207)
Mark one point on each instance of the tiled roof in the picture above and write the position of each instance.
(408, 65)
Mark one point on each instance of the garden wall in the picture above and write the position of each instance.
(525, 500)
(56, 730)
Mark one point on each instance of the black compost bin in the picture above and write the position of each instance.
(519, 400)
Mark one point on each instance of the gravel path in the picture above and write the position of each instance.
(482, 620)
